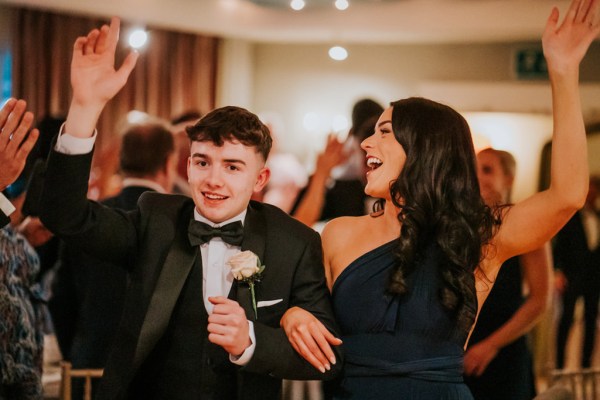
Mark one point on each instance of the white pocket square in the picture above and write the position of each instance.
(267, 303)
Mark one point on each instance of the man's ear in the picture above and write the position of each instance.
(189, 165)
(263, 178)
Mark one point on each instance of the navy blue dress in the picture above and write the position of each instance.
(397, 347)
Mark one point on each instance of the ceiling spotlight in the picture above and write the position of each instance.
(338, 53)
(136, 117)
(341, 4)
(138, 38)
(297, 4)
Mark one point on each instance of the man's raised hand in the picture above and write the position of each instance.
(93, 75)
(94, 78)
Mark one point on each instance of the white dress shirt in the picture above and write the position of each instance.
(591, 227)
(217, 278)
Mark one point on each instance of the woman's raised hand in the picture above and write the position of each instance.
(565, 44)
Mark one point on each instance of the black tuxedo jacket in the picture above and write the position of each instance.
(152, 242)
(572, 255)
(88, 296)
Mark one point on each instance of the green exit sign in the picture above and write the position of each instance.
(530, 64)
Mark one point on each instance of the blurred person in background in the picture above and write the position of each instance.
(182, 145)
(577, 259)
(336, 188)
(498, 361)
(21, 312)
(288, 176)
(16, 142)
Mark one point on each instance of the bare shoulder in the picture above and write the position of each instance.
(342, 230)
(338, 225)
(344, 240)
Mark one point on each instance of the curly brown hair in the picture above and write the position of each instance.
(437, 193)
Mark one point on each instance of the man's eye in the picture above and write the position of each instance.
(232, 168)
(202, 163)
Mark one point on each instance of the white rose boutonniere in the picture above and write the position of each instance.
(246, 267)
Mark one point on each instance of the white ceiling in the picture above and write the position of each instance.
(366, 21)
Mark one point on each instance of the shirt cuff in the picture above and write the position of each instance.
(7, 208)
(71, 145)
(249, 352)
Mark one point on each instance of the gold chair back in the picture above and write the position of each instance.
(583, 383)
(68, 373)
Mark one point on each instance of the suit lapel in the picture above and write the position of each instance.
(255, 229)
(177, 266)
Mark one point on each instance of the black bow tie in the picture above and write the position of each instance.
(199, 233)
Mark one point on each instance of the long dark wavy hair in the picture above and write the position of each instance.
(437, 193)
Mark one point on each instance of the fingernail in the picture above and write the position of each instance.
(322, 370)
(332, 359)
(328, 367)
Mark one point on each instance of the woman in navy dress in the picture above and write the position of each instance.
(407, 282)
(498, 361)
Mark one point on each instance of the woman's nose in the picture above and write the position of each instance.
(366, 144)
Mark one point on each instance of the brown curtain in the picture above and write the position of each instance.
(176, 72)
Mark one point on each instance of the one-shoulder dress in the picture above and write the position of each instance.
(397, 347)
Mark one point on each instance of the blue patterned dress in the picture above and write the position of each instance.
(21, 319)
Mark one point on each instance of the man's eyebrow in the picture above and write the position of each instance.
(234, 161)
(227, 160)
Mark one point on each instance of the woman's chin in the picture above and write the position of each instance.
(374, 192)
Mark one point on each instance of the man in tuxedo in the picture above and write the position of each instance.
(88, 293)
(15, 146)
(189, 330)
(577, 258)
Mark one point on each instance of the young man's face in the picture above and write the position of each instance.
(222, 179)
